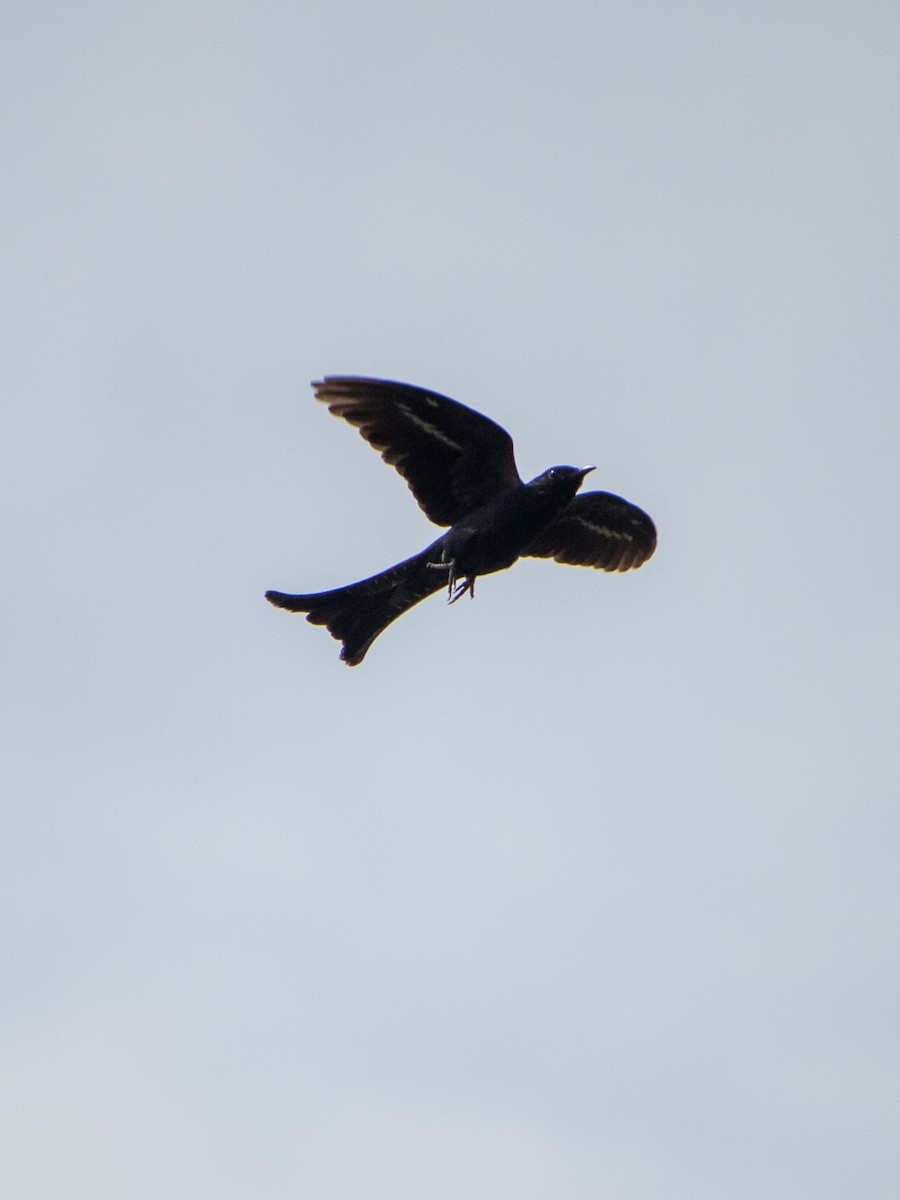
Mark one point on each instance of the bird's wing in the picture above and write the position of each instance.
(597, 529)
(453, 458)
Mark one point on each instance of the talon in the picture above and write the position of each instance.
(451, 576)
(456, 587)
(450, 568)
(465, 585)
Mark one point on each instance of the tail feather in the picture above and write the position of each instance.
(358, 613)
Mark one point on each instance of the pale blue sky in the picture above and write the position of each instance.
(588, 888)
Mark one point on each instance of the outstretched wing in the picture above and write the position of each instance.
(597, 529)
(453, 458)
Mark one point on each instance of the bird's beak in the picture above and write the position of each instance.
(587, 471)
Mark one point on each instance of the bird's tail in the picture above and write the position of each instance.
(356, 614)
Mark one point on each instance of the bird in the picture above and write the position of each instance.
(460, 467)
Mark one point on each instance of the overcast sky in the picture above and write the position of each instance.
(588, 888)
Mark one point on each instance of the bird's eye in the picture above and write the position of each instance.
(551, 474)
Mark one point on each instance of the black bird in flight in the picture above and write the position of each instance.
(459, 465)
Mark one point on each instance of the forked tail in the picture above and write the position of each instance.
(356, 614)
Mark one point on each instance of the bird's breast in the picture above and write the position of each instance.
(492, 537)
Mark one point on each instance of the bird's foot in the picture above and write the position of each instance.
(456, 587)
(465, 585)
(448, 567)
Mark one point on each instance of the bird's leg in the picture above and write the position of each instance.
(450, 568)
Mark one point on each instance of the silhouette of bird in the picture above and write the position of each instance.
(460, 467)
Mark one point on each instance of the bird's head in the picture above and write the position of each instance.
(562, 482)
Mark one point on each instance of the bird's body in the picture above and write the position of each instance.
(496, 533)
(460, 467)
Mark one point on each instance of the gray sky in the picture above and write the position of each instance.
(588, 888)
